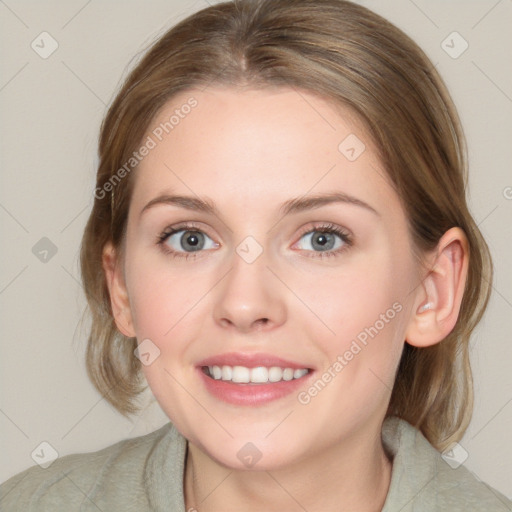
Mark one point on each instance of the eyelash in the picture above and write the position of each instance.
(323, 228)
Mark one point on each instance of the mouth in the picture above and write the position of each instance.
(252, 379)
(257, 375)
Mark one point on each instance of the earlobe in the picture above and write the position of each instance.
(119, 299)
(439, 297)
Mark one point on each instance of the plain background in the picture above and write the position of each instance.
(51, 112)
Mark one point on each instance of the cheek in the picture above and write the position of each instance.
(163, 301)
(364, 309)
(348, 301)
(152, 311)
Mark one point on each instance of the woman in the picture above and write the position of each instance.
(280, 244)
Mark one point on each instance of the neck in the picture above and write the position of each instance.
(353, 475)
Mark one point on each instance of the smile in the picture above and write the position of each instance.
(257, 375)
(252, 379)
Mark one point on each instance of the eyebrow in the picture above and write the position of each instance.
(296, 205)
(303, 203)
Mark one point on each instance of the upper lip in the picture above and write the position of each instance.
(252, 360)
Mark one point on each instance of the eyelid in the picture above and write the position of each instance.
(327, 226)
(187, 226)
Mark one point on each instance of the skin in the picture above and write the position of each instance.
(249, 151)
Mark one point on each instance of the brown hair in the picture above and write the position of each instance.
(354, 58)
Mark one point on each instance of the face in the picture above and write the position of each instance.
(268, 262)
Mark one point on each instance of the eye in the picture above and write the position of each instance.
(325, 240)
(187, 241)
(183, 240)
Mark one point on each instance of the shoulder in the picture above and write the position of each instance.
(423, 480)
(115, 475)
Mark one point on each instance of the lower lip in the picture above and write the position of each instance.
(251, 394)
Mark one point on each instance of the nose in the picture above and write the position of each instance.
(250, 298)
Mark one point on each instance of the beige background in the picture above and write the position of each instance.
(51, 112)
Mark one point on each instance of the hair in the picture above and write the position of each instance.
(354, 58)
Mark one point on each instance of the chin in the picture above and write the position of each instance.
(242, 455)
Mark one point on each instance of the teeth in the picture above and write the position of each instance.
(287, 374)
(217, 372)
(227, 372)
(240, 374)
(258, 375)
(275, 374)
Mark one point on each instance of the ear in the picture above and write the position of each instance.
(438, 299)
(117, 289)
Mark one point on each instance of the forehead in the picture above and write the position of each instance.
(257, 148)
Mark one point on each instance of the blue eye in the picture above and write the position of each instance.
(322, 241)
(181, 242)
(327, 240)
(187, 241)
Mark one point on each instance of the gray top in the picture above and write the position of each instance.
(146, 474)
